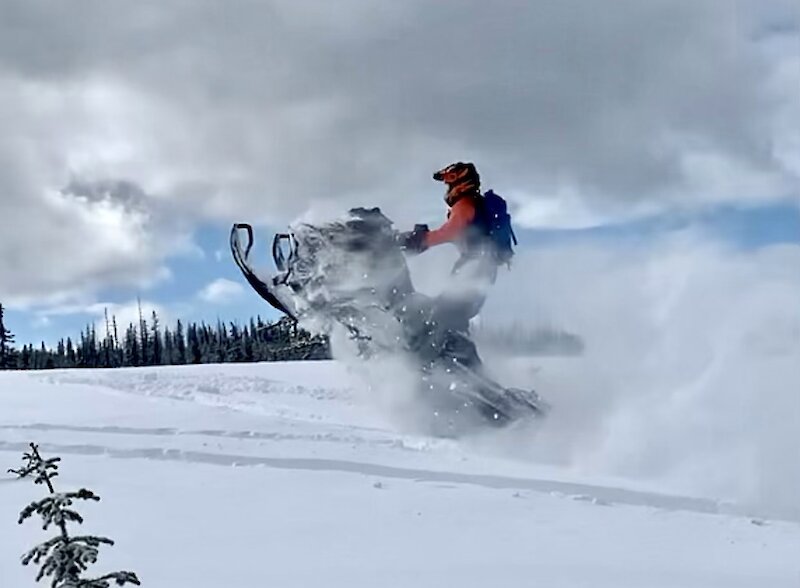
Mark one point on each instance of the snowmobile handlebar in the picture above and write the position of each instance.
(234, 236)
(278, 256)
(242, 261)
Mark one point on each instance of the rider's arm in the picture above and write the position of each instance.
(461, 215)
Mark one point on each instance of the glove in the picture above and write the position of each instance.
(414, 241)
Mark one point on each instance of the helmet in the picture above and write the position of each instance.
(461, 179)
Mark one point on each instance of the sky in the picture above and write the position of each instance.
(134, 134)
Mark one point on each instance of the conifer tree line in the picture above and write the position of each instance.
(146, 343)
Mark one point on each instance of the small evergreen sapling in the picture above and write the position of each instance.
(64, 557)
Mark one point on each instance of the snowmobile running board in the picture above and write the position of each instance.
(242, 261)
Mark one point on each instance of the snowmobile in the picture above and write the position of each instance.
(352, 272)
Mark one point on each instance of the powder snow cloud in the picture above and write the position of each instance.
(691, 371)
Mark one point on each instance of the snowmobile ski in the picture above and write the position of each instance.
(241, 258)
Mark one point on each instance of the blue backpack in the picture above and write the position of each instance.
(496, 224)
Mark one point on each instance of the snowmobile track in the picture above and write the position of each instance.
(600, 495)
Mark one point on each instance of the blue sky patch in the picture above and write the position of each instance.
(745, 228)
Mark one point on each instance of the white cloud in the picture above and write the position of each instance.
(69, 225)
(125, 314)
(221, 291)
(584, 114)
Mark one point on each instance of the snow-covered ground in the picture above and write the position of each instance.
(280, 475)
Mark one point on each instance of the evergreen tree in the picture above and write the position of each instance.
(108, 343)
(203, 343)
(7, 359)
(92, 349)
(65, 557)
(132, 351)
(247, 345)
(234, 351)
(71, 359)
(144, 336)
(114, 325)
(47, 358)
(194, 345)
(60, 354)
(169, 348)
(180, 344)
(156, 339)
(25, 358)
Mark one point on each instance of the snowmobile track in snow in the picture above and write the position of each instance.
(220, 433)
(596, 494)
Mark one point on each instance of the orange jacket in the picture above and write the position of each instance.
(459, 218)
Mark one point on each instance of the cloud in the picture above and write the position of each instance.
(64, 233)
(68, 227)
(124, 313)
(221, 291)
(582, 115)
(127, 313)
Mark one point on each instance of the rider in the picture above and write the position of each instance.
(476, 270)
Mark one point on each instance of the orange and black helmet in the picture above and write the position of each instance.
(461, 179)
